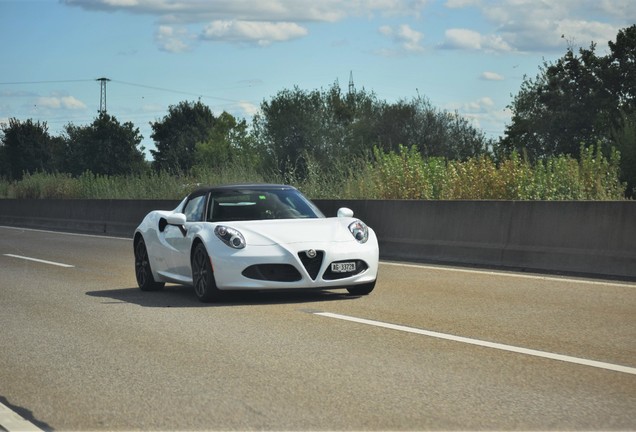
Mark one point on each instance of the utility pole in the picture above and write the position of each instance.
(102, 95)
(352, 88)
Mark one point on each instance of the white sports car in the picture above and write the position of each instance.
(254, 237)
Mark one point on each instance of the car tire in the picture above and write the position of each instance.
(360, 290)
(203, 276)
(143, 271)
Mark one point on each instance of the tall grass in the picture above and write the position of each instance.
(404, 174)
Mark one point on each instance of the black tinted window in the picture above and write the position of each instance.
(235, 205)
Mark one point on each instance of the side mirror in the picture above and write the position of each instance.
(345, 212)
(178, 219)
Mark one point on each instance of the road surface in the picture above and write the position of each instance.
(432, 348)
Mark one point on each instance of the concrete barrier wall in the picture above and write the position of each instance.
(577, 237)
(107, 217)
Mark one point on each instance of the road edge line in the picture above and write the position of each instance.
(13, 422)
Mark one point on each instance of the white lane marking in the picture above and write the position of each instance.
(515, 275)
(64, 233)
(39, 260)
(11, 421)
(477, 342)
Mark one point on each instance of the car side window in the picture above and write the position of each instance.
(194, 209)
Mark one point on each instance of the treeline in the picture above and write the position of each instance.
(572, 136)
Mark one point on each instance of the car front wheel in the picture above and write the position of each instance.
(143, 272)
(203, 276)
(360, 290)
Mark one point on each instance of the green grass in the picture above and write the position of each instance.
(389, 175)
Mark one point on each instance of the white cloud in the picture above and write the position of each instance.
(71, 102)
(491, 76)
(248, 109)
(623, 9)
(483, 104)
(197, 11)
(408, 40)
(171, 39)
(16, 93)
(65, 102)
(122, 3)
(483, 113)
(261, 21)
(262, 33)
(516, 25)
(465, 39)
(584, 32)
(540, 26)
(462, 39)
(457, 4)
(153, 108)
(480, 105)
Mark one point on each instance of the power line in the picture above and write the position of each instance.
(45, 82)
(199, 95)
(175, 91)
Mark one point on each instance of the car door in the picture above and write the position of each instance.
(179, 239)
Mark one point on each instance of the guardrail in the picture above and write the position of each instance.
(589, 237)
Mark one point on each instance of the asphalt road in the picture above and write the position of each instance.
(81, 348)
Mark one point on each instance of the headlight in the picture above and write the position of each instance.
(231, 237)
(359, 231)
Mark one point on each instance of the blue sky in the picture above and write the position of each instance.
(468, 56)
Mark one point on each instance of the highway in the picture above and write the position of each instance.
(432, 348)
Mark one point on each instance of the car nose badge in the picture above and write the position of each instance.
(311, 253)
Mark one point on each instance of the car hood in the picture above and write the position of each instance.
(289, 231)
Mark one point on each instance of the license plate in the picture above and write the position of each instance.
(346, 267)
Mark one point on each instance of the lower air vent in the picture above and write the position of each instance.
(273, 272)
(312, 260)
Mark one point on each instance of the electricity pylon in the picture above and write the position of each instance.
(102, 95)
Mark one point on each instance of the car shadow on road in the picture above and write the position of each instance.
(25, 413)
(177, 296)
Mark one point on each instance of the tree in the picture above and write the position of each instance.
(104, 147)
(580, 98)
(328, 127)
(621, 69)
(5, 166)
(25, 148)
(566, 105)
(288, 126)
(178, 133)
(436, 133)
(624, 138)
(229, 142)
(622, 72)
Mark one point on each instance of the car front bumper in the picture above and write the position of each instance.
(289, 267)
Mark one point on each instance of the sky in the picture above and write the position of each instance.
(464, 56)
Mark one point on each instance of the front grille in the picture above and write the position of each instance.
(361, 266)
(312, 265)
(273, 272)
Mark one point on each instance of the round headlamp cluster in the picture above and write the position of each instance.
(359, 230)
(230, 236)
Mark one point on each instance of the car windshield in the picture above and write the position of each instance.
(254, 204)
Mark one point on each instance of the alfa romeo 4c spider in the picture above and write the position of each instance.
(254, 237)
